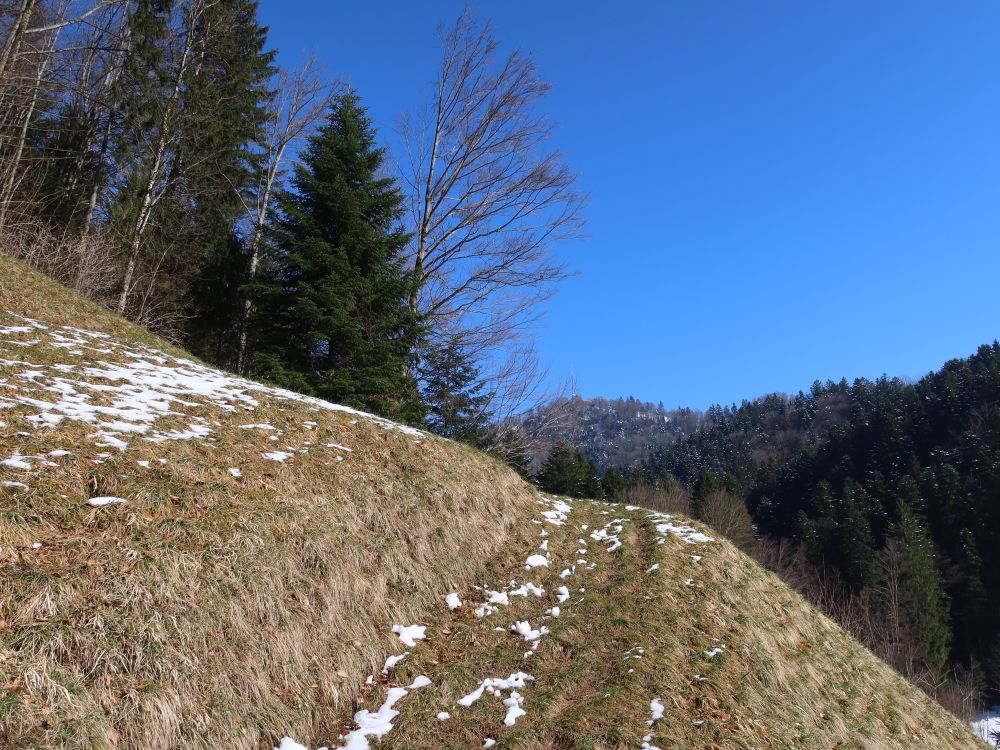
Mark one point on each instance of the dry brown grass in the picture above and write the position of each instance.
(788, 677)
(211, 611)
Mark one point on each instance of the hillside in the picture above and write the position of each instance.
(870, 475)
(610, 432)
(194, 560)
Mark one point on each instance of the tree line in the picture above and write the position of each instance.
(878, 499)
(154, 157)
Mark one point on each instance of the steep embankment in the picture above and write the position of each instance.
(192, 560)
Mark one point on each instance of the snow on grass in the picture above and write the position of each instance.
(610, 534)
(17, 461)
(279, 456)
(442, 715)
(144, 386)
(525, 589)
(98, 502)
(986, 725)
(558, 511)
(655, 711)
(665, 526)
(392, 661)
(531, 635)
(410, 634)
(234, 472)
(370, 724)
(715, 652)
(535, 561)
(562, 594)
(495, 686)
(514, 710)
(14, 485)
(453, 601)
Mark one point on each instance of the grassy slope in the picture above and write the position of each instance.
(213, 611)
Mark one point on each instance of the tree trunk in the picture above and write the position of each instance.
(163, 138)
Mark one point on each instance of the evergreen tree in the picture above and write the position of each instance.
(334, 310)
(225, 113)
(559, 471)
(614, 486)
(703, 487)
(923, 599)
(453, 394)
(567, 471)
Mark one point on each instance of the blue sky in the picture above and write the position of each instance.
(779, 191)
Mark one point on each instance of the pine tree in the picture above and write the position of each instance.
(559, 471)
(614, 486)
(453, 392)
(568, 471)
(225, 113)
(334, 309)
(705, 485)
(923, 599)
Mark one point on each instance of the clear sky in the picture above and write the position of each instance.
(780, 191)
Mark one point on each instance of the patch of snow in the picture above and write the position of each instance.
(655, 711)
(453, 601)
(392, 661)
(17, 461)
(234, 472)
(986, 725)
(279, 456)
(97, 502)
(410, 634)
(535, 561)
(514, 710)
(442, 715)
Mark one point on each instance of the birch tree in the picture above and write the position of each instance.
(489, 199)
(303, 97)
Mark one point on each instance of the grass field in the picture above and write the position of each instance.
(190, 560)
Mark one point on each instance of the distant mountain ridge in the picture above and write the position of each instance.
(615, 432)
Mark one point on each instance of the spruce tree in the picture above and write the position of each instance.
(334, 308)
(225, 114)
(568, 471)
(924, 601)
(559, 472)
(453, 393)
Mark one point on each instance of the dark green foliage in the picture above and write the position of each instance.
(832, 469)
(924, 603)
(705, 486)
(453, 394)
(614, 485)
(332, 308)
(568, 472)
(225, 113)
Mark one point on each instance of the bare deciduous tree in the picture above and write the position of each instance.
(488, 197)
(302, 99)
